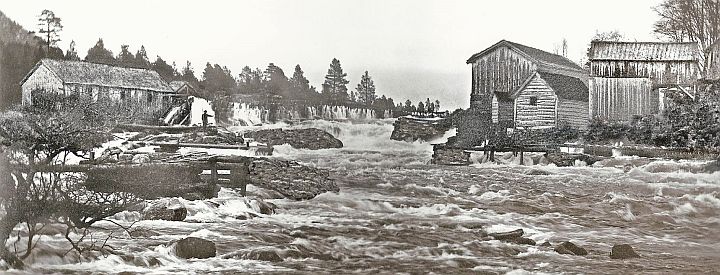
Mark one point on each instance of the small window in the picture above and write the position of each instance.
(123, 95)
(533, 101)
(149, 97)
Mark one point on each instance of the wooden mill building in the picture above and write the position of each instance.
(633, 78)
(141, 94)
(516, 86)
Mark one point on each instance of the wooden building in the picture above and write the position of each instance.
(183, 88)
(633, 78)
(516, 86)
(712, 62)
(142, 94)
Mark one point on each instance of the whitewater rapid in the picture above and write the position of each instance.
(396, 213)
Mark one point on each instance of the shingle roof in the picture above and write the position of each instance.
(566, 87)
(644, 51)
(537, 54)
(105, 75)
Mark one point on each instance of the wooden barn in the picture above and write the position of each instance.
(712, 62)
(142, 94)
(516, 86)
(633, 78)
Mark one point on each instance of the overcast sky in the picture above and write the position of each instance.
(412, 48)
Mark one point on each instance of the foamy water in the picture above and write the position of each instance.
(395, 213)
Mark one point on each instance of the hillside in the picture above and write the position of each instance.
(19, 51)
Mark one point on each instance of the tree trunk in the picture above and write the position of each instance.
(7, 224)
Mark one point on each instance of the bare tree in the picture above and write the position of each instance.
(689, 20)
(31, 141)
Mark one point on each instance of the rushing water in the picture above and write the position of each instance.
(397, 214)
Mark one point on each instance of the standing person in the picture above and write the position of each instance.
(205, 118)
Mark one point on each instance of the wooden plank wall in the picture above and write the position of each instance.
(665, 72)
(502, 70)
(621, 98)
(573, 113)
(541, 115)
(41, 78)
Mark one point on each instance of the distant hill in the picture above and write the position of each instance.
(19, 51)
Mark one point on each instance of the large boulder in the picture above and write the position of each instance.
(623, 251)
(571, 249)
(411, 129)
(310, 138)
(169, 210)
(515, 236)
(192, 247)
(291, 179)
(564, 159)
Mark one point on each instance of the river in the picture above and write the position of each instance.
(396, 213)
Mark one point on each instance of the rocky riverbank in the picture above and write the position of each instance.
(411, 129)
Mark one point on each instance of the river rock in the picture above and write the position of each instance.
(192, 247)
(570, 248)
(564, 159)
(446, 155)
(165, 210)
(310, 138)
(141, 158)
(411, 129)
(263, 255)
(291, 179)
(515, 236)
(623, 251)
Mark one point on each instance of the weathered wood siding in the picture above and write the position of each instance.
(661, 72)
(132, 103)
(541, 115)
(42, 78)
(573, 113)
(502, 70)
(621, 98)
(495, 109)
(712, 62)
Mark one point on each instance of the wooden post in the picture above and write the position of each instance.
(214, 173)
(492, 153)
(522, 156)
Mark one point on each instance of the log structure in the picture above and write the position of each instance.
(516, 86)
(633, 78)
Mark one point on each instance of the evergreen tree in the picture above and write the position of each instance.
(99, 54)
(50, 27)
(437, 105)
(421, 107)
(188, 74)
(166, 71)
(71, 53)
(141, 59)
(409, 108)
(299, 85)
(366, 90)
(277, 82)
(335, 86)
(125, 58)
(429, 106)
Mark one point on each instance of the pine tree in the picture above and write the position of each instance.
(299, 85)
(409, 108)
(429, 106)
(71, 53)
(437, 105)
(166, 71)
(50, 27)
(366, 90)
(421, 107)
(188, 74)
(335, 86)
(141, 59)
(99, 54)
(125, 58)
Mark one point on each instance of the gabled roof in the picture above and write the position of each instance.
(644, 51)
(178, 84)
(566, 87)
(79, 72)
(532, 53)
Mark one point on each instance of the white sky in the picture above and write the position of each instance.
(412, 48)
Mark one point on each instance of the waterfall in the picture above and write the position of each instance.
(245, 115)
